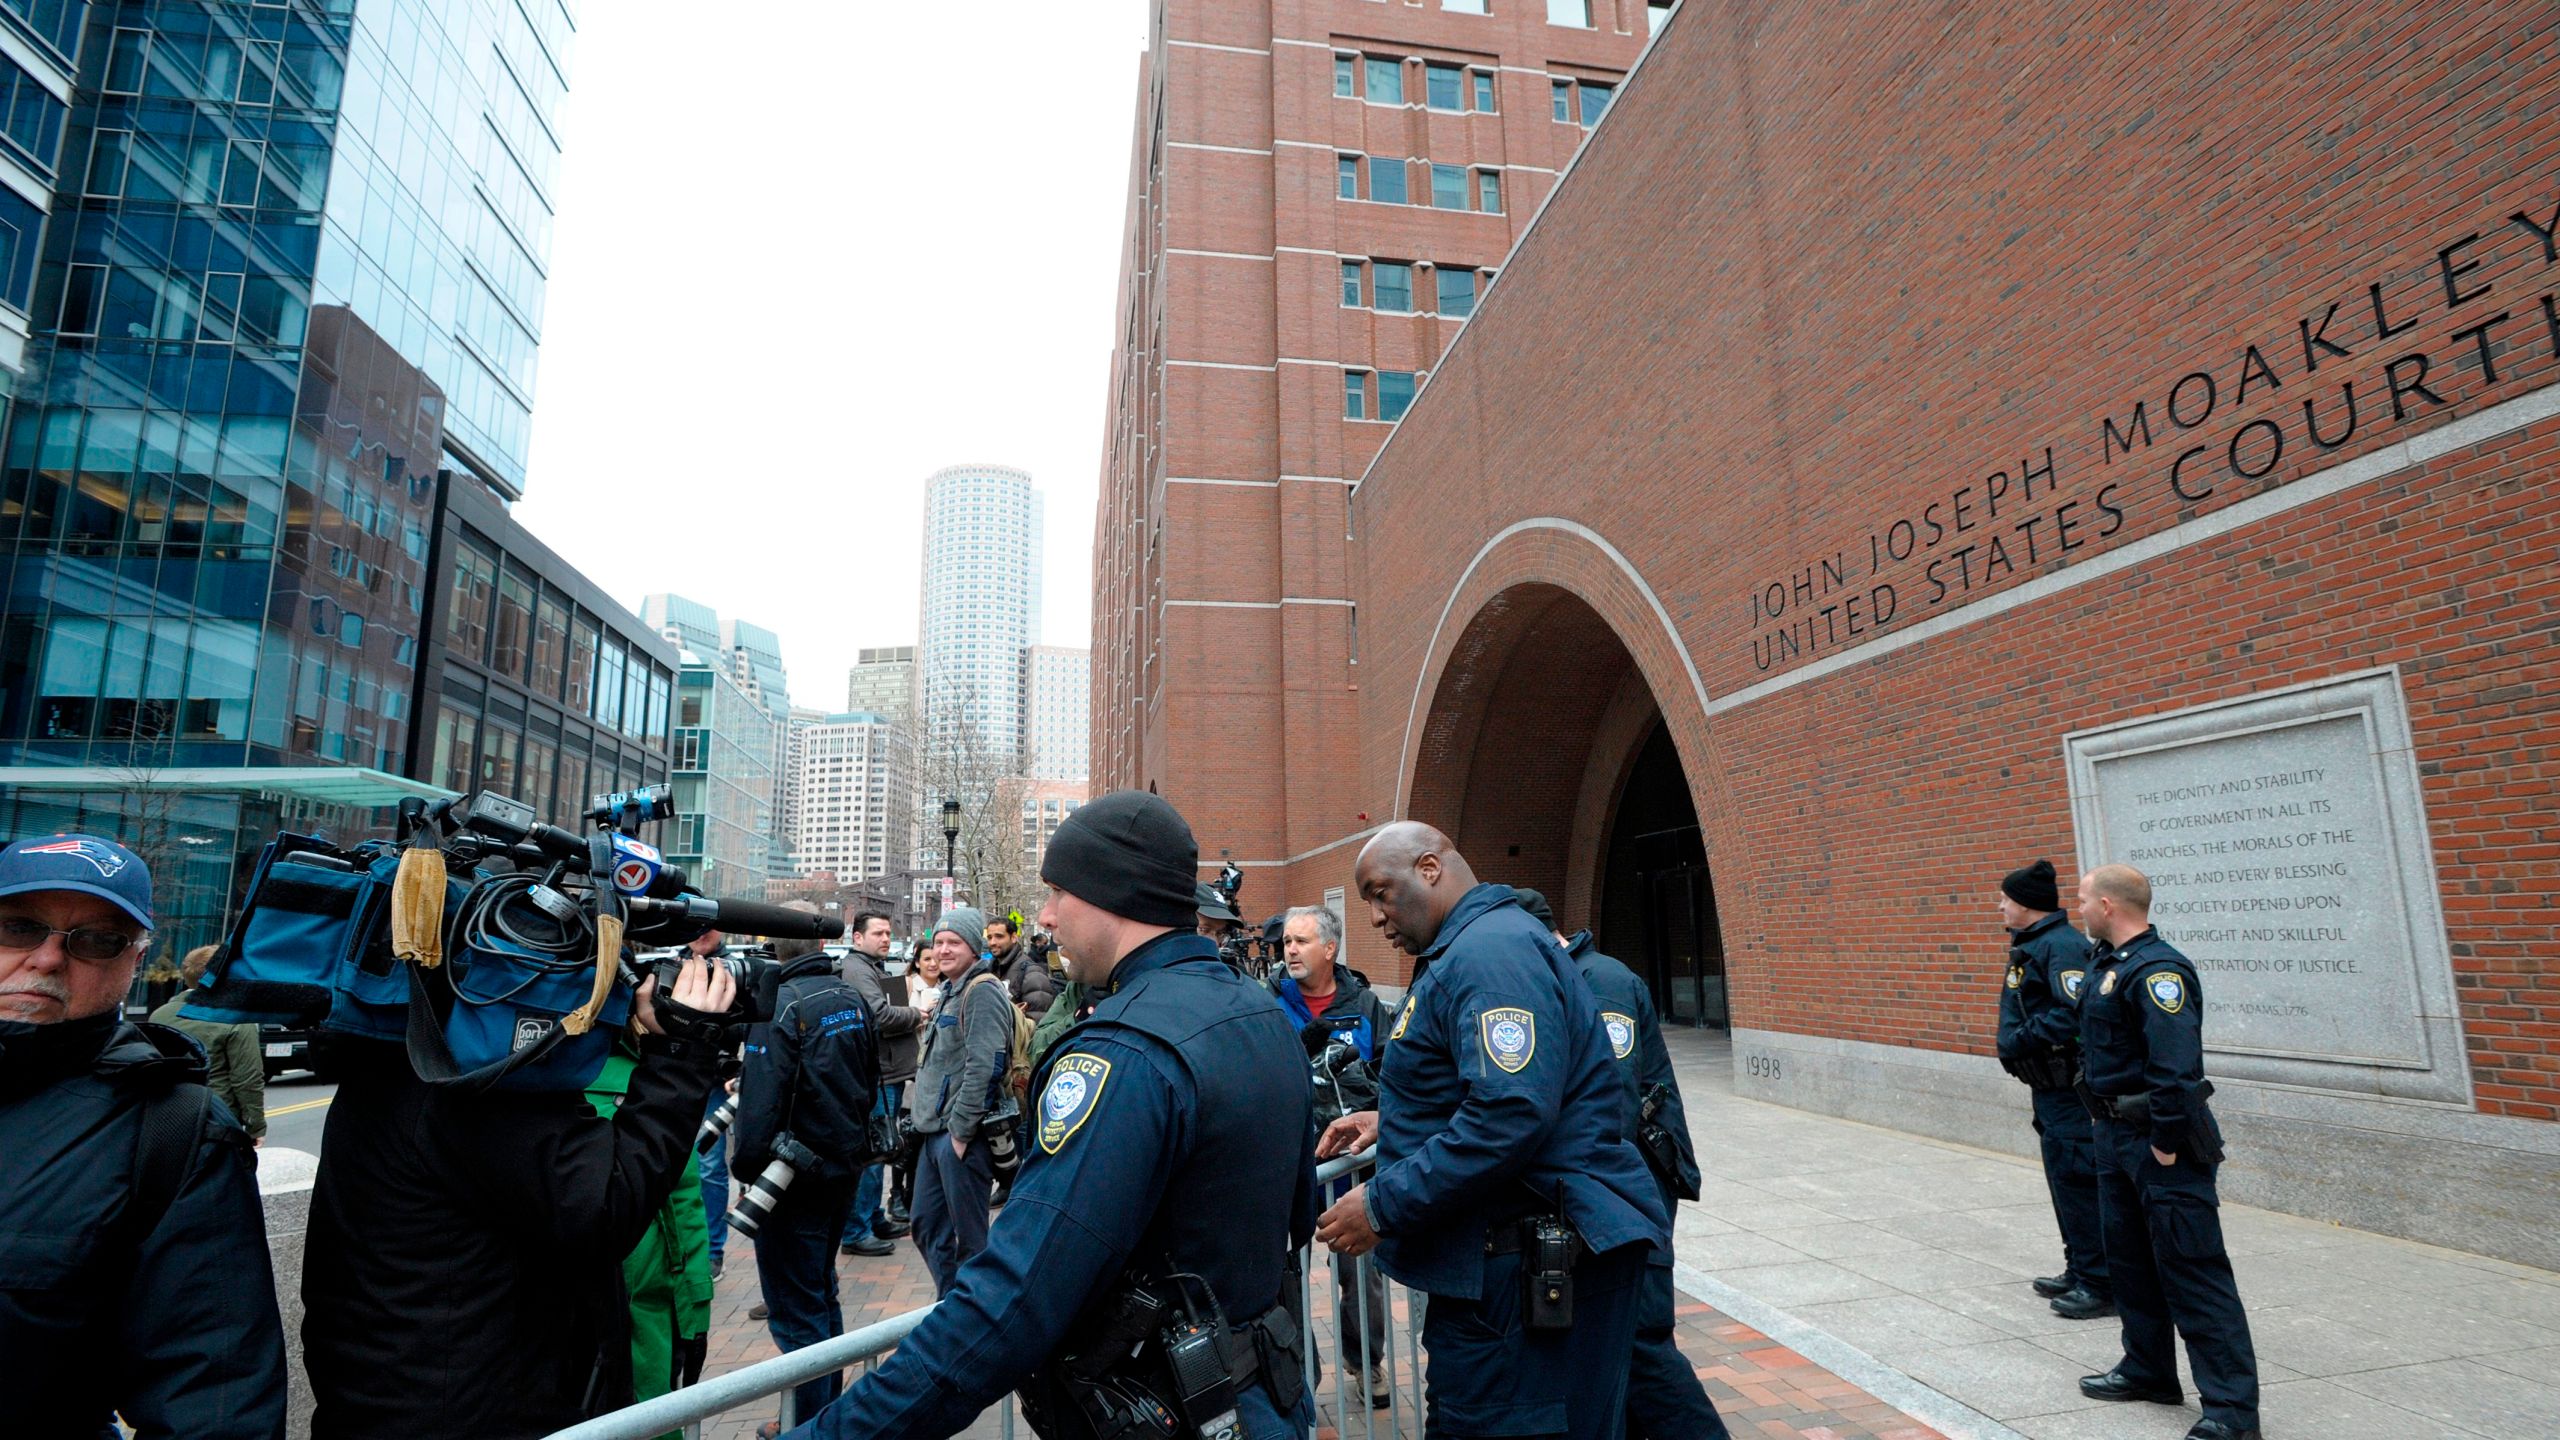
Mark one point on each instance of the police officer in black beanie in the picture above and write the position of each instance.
(2040, 1045)
(1172, 1154)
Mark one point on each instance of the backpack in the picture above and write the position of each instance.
(1017, 1050)
(839, 1055)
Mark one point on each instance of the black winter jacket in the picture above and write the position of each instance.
(2040, 1001)
(463, 1272)
(176, 1329)
(901, 1028)
(1027, 979)
(813, 1072)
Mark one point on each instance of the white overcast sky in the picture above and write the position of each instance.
(806, 254)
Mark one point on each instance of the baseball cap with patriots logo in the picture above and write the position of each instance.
(83, 863)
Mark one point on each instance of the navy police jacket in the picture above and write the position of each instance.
(2142, 1033)
(1500, 1099)
(1635, 1043)
(2040, 995)
(1173, 1130)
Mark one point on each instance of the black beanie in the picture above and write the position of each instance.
(2032, 887)
(1129, 853)
(1536, 904)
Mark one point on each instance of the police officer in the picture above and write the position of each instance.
(1664, 1399)
(1170, 1176)
(1505, 1187)
(2142, 1046)
(2040, 1045)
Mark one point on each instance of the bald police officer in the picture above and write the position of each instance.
(1664, 1399)
(1170, 1177)
(2142, 1052)
(1505, 1187)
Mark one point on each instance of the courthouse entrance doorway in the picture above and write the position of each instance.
(1543, 752)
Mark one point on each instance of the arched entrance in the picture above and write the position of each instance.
(1544, 754)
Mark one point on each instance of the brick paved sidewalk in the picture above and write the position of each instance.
(1762, 1388)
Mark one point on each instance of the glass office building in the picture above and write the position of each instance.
(290, 286)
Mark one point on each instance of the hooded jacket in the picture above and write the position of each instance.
(813, 1071)
(176, 1328)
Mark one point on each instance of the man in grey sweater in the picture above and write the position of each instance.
(955, 1088)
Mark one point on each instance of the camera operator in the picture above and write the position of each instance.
(1343, 1025)
(463, 1269)
(133, 1259)
(805, 1097)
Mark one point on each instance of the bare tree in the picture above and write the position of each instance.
(958, 759)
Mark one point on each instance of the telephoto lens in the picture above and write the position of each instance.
(715, 1125)
(757, 1199)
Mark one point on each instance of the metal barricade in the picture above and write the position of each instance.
(1342, 1406)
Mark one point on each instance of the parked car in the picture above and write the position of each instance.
(285, 1048)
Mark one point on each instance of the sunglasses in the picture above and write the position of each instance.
(94, 945)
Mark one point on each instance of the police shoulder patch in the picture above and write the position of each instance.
(2071, 982)
(1075, 1087)
(2168, 991)
(2016, 974)
(1510, 1038)
(1403, 1018)
(1622, 1032)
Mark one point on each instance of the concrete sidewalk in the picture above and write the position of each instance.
(1901, 1263)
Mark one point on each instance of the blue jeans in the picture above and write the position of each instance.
(796, 1265)
(867, 1217)
(715, 1178)
(951, 1207)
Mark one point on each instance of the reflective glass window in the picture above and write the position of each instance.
(1448, 187)
(1392, 282)
(1595, 99)
(1489, 191)
(20, 223)
(579, 693)
(1465, 7)
(1395, 393)
(611, 664)
(1351, 282)
(1576, 13)
(1444, 87)
(1457, 292)
(57, 21)
(1561, 92)
(107, 152)
(30, 117)
(1355, 395)
(1654, 16)
(511, 638)
(550, 644)
(1483, 80)
(84, 290)
(1346, 74)
(1386, 180)
(1386, 81)
(1346, 176)
(467, 602)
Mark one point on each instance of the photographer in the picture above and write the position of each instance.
(806, 1096)
(1343, 1025)
(463, 1269)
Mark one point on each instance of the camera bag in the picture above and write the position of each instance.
(312, 946)
(500, 1014)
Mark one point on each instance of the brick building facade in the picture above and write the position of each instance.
(1885, 447)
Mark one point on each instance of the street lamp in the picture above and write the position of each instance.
(950, 833)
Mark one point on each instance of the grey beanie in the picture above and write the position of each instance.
(965, 922)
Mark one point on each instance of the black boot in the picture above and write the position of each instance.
(2220, 1430)
(2115, 1385)
(2049, 1286)
(2083, 1303)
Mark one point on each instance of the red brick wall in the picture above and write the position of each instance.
(1823, 270)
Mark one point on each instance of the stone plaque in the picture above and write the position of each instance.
(2287, 850)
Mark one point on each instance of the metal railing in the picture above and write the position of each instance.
(1349, 1409)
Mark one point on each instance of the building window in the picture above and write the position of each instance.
(1392, 282)
(1355, 394)
(1595, 101)
(19, 222)
(1489, 191)
(1465, 7)
(1346, 75)
(1386, 180)
(83, 291)
(1448, 187)
(475, 580)
(1386, 81)
(1351, 283)
(1576, 13)
(1395, 393)
(511, 639)
(1484, 89)
(550, 645)
(1655, 15)
(1561, 91)
(107, 150)
(1457, 292)
(1444, 86)
(580, 691)
(1346, 176)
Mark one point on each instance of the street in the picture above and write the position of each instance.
(297, 1109)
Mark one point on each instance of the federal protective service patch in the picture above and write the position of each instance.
(2168, 992)
(1510, 1038)
(1622, 1031)
(2071, 983)
(1075, 1087)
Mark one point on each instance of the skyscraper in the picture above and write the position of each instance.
(981, 601)
(852, 815)
(291, 280)
(1297, 256)
(1057, 711)
(688, 623)
(882, 681)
